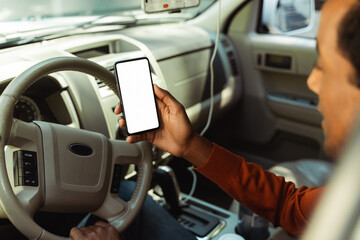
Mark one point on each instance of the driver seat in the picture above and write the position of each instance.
(308, 172)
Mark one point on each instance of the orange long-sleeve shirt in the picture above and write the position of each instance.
(261, 191)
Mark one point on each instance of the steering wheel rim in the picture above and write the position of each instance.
(16, 213)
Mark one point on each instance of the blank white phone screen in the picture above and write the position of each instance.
(137, 95)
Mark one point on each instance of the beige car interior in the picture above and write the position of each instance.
(266, 114)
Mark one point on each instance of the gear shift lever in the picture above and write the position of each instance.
(166, 178)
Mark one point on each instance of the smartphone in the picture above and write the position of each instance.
(137, 96)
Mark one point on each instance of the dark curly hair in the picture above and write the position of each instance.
(349, 38)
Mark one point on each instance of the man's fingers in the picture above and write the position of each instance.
(110, 228)
(149, 136)
(76, 233)
(99, 231)
(121, 121)
(102, 224)
(118, 109)
(136, 138)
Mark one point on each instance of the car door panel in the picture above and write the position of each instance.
(276, 98)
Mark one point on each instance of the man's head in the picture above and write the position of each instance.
(336, 76)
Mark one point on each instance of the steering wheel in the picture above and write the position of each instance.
(53, 167)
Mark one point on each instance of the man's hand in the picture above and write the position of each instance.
(175, 133)
(99, 231)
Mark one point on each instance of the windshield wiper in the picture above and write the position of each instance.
(108, 20)
(48, 33)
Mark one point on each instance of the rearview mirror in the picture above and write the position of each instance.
(154, 6)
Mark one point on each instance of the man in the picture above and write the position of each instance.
(336, 80)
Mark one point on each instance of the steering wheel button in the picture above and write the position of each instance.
(28, 163)
(25, 168)
(116, 179)
(27, 172)
(30, 181)
(28, 159)
(28, 154)
(34, 182)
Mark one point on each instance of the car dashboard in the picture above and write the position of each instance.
(179, 56)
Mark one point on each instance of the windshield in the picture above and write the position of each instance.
(26, 21)
(36, 10)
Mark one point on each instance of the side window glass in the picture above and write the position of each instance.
(291, 17)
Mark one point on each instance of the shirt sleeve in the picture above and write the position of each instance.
(261, 191)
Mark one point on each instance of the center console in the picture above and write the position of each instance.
(206, 221)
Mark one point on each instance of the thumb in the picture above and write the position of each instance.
(148, 136)
(165, 97)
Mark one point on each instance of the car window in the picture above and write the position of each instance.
(24, 21)
(290, 17)
(24, 10)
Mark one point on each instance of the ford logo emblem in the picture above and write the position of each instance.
(80, 149)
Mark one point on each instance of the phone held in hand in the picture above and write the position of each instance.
(137, 96)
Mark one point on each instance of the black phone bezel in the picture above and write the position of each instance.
(121, 101)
